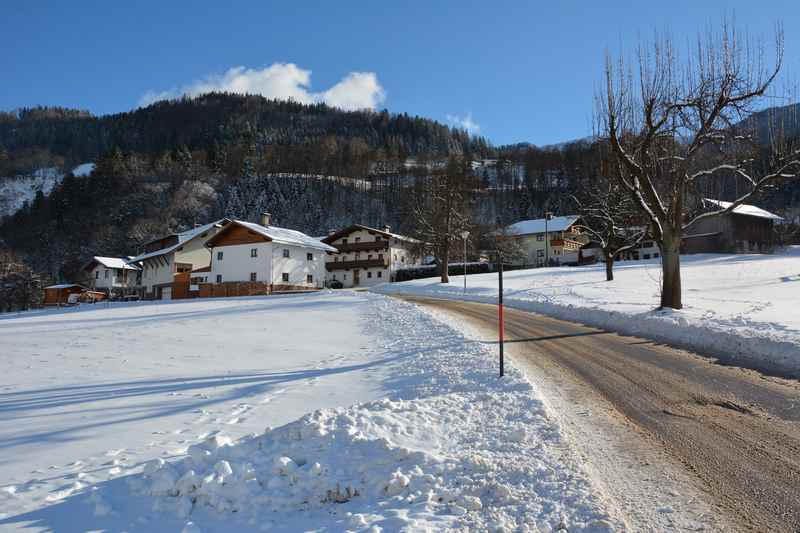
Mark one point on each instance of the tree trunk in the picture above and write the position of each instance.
(671, 272)
(444, 267)
(609, 266)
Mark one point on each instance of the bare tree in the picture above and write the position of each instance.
(677, 123)
(441, 215)
(610, 216)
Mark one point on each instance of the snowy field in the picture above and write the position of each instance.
(741, 308)
(330, 412)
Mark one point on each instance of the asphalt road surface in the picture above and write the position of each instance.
(736, 430)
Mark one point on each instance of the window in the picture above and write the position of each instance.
(358, 239)
(97, 274)
(309, 257)
(380, 274)
(252, 276)
(309, 278)
(344, 241)
(402, 259)
(380, 257)
(344, 276)
(540, 238)
(647, 256)
(105, 274)
(369, 274)
(253, 252)
(219, 278)
(369, 256)
(219, 256)
(285, 252)
(378, 238)
(335, 259)
(655, 256)
(540, 253)
(285, 277)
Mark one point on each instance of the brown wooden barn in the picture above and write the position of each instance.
(746, 229)
(60, 294)
(71, 294)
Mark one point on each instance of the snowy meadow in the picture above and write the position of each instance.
(332, 412)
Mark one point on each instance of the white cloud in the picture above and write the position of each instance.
(284, 81)
(465, 123)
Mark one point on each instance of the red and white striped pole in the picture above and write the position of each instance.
(500, 318)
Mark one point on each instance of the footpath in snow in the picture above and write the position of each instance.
(329, 412)
(740, 308)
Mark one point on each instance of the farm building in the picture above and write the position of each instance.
(746, 229)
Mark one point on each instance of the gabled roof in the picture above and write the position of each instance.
(537, 225)
(111, 262)
(183, 238)
(743, 209)
(356, 227)
(280, 236)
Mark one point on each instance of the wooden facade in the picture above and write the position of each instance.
(234, 234)
(730, 233)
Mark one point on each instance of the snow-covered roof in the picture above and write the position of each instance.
(115, 262)
(63, 286)
(354, 227)
(286, 236)
(530, 227)
(744, 209)
(183, 238)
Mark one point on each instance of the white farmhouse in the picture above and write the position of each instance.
(173, 254)
(555, 240)
(112, 275)
(284, 259)
(368, 256)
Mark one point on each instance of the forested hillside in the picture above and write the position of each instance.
(178, 163)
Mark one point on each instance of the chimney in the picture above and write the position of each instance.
(387, 228)
(266, 218)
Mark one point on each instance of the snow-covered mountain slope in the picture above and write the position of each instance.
(355, 412)
(15, 191)
(742, 308)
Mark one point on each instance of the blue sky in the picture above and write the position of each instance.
(520, 71)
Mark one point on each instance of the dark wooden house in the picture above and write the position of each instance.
(746, 229)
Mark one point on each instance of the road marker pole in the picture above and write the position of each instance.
(500, 318)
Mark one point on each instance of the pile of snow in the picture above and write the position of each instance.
(740, 308)
(14, 192)
(464, 451)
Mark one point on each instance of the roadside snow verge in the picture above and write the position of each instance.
(738, 340)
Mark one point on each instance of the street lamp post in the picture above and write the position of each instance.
(500, 317)
(547, 216)
(465, 235)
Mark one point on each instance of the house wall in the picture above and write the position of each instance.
(103, 278)
(533, 248)
(159, 271)
(269, 264)
(399, 254)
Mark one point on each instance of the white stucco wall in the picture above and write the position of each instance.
(103, 278)
(269, 265)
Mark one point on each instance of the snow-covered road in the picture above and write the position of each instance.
(122, 418)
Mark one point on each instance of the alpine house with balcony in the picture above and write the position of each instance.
(368, 256)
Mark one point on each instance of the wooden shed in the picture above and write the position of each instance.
(746, 229)
(60, 294)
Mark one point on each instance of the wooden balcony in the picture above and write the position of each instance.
(362, 246)
(362, 263)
